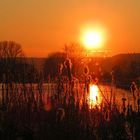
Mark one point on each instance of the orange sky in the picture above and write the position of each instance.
(44, 26)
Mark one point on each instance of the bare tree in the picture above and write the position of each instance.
(10, 53)
(10, 49)
(76, 54)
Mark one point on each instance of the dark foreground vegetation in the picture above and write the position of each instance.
(23, 115)
(30, 111)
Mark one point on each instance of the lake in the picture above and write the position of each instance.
(97, 93)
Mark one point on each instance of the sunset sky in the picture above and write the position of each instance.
(44, 26)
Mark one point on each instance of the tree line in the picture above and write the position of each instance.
(15, 66)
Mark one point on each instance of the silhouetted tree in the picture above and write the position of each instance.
(51, 66)
(11, 53)
(76, 54)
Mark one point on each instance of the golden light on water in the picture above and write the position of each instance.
(94, 96)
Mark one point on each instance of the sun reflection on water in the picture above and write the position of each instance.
(94, 96)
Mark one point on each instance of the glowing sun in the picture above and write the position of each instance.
(92, 38)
